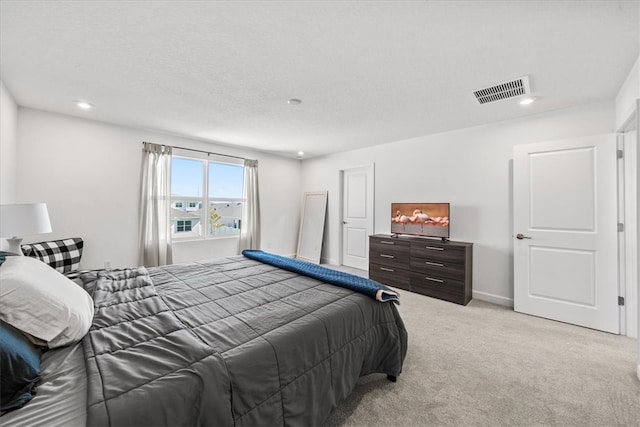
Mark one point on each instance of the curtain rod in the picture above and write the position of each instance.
(200, 151)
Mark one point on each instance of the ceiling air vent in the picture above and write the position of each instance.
(510, 89)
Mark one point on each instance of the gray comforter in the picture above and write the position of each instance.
(230, 342)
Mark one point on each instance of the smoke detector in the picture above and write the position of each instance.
(510, 89)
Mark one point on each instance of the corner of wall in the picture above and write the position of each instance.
(8, 146)
(8, 149)
(627, 95)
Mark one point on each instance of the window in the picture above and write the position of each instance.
(212, 194)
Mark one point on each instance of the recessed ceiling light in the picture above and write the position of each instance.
(294, 101)
(84, 105)
(300, 153)
(527, 101)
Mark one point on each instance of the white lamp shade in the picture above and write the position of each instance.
(24, 219)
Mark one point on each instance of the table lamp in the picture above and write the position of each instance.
(23, 220)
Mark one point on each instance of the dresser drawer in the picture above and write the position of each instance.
(435, 282)
(389, 276)
(443, 294)
(438, 268)
(448, 289)
(389, 243)
(395, 256)
(438, 251)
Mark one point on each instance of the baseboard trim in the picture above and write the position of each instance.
(494, 299)
(329, 261)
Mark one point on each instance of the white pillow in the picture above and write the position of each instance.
(40, 301)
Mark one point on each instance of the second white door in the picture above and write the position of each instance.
(357, 216)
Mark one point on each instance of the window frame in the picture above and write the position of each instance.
(205, 199)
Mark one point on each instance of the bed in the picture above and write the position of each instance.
(230, 341)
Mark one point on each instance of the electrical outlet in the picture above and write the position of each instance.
(107, 264)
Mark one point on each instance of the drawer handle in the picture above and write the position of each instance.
(437, 264)
(387, 269)
(434, 280)
(387, 243)
(387, 256)
(434, 248)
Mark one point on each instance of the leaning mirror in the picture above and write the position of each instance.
(314, 206)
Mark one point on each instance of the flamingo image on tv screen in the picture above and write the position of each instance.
(421, 219)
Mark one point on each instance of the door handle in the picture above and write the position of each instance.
(521, 236)
(345, 222)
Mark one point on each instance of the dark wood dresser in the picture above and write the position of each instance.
(430, 267)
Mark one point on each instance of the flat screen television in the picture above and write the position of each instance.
(420, 219)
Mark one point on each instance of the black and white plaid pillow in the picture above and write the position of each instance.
(63, 255)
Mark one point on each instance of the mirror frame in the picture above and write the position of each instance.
(315, 236)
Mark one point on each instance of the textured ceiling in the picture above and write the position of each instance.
(367, 72)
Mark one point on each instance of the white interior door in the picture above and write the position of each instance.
(357, 216)
(565, 231)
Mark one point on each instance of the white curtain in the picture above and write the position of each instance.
(155, 206)
(250, 225)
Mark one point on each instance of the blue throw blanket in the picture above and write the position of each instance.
(365, 286)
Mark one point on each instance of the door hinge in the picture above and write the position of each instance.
(620, 300)
(620, 154)
(620, 227)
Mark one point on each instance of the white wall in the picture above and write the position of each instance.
(470, 168)
(8, 151)
(88, 173)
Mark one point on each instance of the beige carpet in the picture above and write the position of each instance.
(486, 365)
